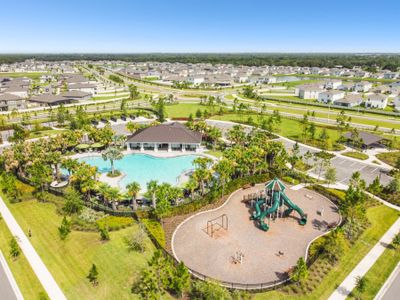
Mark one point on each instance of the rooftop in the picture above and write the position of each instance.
(166, 133)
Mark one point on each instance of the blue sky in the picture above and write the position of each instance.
(199, 26)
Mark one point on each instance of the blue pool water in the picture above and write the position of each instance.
(142, 168)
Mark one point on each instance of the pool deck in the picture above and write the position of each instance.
(262, 263)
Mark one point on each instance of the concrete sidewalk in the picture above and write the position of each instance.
(41, 271)
(366, 263)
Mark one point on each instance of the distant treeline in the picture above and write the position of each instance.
(367, 61)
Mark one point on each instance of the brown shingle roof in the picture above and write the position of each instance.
(166, 133)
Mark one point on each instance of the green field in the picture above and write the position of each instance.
(42, 133)
(26, 279)
(32, 75)
(118, 95)
(293, 84)
(289, 128)
(381, 218)
(69, 261)
(183, 110)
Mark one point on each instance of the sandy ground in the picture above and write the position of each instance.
(212, 256)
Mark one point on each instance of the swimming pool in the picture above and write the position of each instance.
(142, 168)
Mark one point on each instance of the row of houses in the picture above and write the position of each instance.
(20, 93)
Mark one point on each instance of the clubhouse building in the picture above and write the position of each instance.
(165, 137)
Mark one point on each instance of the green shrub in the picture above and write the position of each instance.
(214, 194)
(156, 230)
(114, 223)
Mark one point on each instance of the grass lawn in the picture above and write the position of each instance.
(110, 97)
(42, 133)
(378, 274)
(216, 153)
(69, 261)
(356, 154)
(32, 75)
(28, 283)
(381, 218)
(390, 157)
(289, 128)
(183, 110)
(292, 84)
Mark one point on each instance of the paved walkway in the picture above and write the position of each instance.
(365, 264)
(43, 274)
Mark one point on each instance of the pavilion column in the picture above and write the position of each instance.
(128, 146)
(183, 148)
(141, 147)
(169, 147)
(155, 147)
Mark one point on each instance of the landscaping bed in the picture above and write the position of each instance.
(389, 157)
(356, 154)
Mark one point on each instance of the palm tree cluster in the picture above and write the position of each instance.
(250, 154)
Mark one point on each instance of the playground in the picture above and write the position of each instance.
(256, 236)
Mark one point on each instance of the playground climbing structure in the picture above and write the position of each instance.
(271, 205)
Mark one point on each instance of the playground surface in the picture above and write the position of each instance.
(267, 255)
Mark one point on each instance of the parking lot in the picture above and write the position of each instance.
(345, 168)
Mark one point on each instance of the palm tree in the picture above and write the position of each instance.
(224, 168)
(112, 154)
(54, 158)
(69, 164)
(192, 186)
(132, 127)
(151, 189)
(214, 134)
(133, 190)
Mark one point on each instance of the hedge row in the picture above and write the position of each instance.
(214, 194)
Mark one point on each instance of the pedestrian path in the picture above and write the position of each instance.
(365, 264)
(297, 187)
(41, 271)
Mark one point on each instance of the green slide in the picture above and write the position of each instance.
(257, 206)
(292, 206)
(263, 214)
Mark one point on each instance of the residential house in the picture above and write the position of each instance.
(330, 96)
(391, 75)
(9, 102)
(346, 86)
(83, 87)
(376, 101)
(332, 83)
(308, 91)
(350, 100)
(396, 103)
(362, 86)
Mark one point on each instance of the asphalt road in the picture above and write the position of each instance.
(393, 292)
(6, 290)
